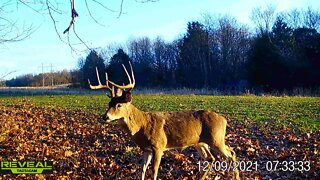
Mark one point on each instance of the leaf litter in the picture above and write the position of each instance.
(81, 147)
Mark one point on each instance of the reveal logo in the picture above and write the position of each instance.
(26, 167)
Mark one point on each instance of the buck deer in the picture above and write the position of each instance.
(155, 132)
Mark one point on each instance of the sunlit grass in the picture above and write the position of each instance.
(300, 113)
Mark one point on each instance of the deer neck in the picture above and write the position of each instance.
(137, 120)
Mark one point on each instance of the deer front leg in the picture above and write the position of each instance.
(157, 158)
(147, 156)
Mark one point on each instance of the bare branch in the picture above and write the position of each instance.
(145, 1)
(10, 30)
(120, 12)
(53, 20)
(51, 8)
(11, 33)
(27, 5)
(102, 5)
(74, 31)
(56, 29)
(88, 9)
(74, 15)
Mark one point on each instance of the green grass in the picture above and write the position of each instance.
(299, 113)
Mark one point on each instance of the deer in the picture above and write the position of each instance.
(156, 132)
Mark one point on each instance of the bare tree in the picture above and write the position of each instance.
(311, 18)
(298, 18)
(229, 43)
(294, 18)
(263, 18)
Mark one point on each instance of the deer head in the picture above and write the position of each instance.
(119, 105)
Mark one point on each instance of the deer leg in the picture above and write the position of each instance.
(157, 159)
(233, 157)
(204, 151)
(147, 156)
(206, 155)
(227, 153)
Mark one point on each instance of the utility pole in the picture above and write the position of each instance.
(42, 75)
(51, 75)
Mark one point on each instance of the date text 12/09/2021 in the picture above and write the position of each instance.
(254, 165)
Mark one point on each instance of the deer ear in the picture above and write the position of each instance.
(128, 96)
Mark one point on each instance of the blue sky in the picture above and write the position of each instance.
(165, 18)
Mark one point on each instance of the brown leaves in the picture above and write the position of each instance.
(82, 147)
(263, 144)
(68, 153)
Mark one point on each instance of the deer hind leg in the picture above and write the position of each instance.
(204, 151)
(147, 156)
(233, 156)
(227, 153)
(206, 155)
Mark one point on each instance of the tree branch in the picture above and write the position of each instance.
(74, 15)
(88, 9)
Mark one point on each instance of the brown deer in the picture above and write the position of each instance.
(155, 132)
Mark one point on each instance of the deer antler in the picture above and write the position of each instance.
(101, 86)
(132, 81)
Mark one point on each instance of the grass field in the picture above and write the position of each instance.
(64, 128)
(299, 113)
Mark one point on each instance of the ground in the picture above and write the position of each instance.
(265, 132)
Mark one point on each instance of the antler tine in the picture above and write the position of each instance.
(132, 75)
(97, 72)
(127, 74)
(131, 83)
(108, 87)
(100, 86)
(107, 79)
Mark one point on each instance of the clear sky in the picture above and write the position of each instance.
(165, 18)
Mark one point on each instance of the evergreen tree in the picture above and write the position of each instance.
(307, 73)
(88, 69)
(265, 67)
(115, 69)
(193, 57)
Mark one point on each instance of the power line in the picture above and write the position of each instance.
(44, 75)
(7, 74)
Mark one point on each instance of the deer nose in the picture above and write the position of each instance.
(103, 118)
(107, 118)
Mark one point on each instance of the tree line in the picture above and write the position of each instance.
(282, 52)
(45, 79)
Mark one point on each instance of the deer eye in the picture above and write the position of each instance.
(118, 105)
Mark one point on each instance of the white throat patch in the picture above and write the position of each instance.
(126, 120)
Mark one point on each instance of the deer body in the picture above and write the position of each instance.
(168, 130)
(155, 132)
